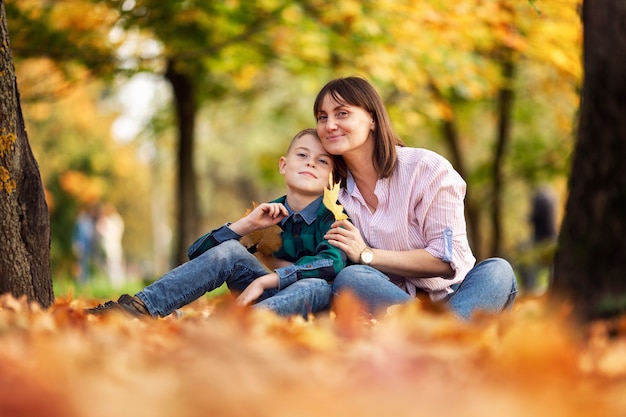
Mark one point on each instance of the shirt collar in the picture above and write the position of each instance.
(308, 214)
(350, 183)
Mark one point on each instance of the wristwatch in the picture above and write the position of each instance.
(367, 256)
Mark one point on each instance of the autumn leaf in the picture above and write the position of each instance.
(331, 194)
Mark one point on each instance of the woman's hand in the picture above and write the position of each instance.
(347, 237)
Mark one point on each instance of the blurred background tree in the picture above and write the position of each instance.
(136, 100)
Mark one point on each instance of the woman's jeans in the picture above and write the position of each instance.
(490, 286)
(231, 263)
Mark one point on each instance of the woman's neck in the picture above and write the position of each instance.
(361, 167)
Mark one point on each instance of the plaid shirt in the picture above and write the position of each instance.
(303, 244)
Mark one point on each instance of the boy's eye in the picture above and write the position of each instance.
(301, 155)
(324, 162)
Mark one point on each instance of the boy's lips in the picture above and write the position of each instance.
(308, 173)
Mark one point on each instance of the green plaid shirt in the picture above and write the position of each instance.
(303, 244)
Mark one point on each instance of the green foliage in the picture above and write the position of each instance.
(69, 33)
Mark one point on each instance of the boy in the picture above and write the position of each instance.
(297, 281)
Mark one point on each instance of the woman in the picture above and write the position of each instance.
(407, 234)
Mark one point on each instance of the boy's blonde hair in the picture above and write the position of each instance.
(303, 132)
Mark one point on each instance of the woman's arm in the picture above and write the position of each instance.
(416, 263)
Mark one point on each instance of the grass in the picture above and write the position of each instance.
(100, 287)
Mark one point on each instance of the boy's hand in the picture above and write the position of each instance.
(264, 215)
(256, 288)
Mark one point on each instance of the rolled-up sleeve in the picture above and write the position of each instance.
(320, 268)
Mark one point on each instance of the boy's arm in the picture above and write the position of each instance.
(325, 263)
(264, 215)
(256, 288)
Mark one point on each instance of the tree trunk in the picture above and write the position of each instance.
(505, 106)
(590, 266)
(187, 201)
(451, 136)
(24, 217)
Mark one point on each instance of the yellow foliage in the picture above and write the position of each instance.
(85, 189)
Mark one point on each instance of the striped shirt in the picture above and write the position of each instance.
(303, 244)
(420, 206)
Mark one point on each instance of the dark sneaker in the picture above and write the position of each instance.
(126, 304)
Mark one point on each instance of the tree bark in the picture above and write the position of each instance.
(24, 217)
(505, 106)
(590, 266)
(472, 209)
(187, 201)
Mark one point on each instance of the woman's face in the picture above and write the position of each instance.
(343, 127)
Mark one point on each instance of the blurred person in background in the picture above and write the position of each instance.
(538, 253)
(83, 242)
(109, 232)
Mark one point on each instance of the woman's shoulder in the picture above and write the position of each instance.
(424, 158)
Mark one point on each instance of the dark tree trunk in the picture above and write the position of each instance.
(24, 217)
(505, 106)
(187, 198)
(590, 264)
(472, 210)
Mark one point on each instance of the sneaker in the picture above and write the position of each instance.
(126, 304)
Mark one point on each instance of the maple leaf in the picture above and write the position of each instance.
(267, 240)
(331, 194)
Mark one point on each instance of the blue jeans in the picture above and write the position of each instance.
(489, 286)
(231, 263)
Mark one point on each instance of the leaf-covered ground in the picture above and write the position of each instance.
(223, 361)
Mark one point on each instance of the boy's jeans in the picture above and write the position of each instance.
(489, 286)
(230, 262)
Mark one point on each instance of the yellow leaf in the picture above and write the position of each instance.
(331, 194)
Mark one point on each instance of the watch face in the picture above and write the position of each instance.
(367, 256)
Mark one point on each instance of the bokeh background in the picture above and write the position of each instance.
(174, 112)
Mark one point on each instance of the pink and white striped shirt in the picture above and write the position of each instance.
(420, 206)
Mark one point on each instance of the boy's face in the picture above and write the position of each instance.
(306, 166)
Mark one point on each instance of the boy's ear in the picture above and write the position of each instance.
(281, 164)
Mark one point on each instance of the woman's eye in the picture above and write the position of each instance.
(342, 114)
(321, 117)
